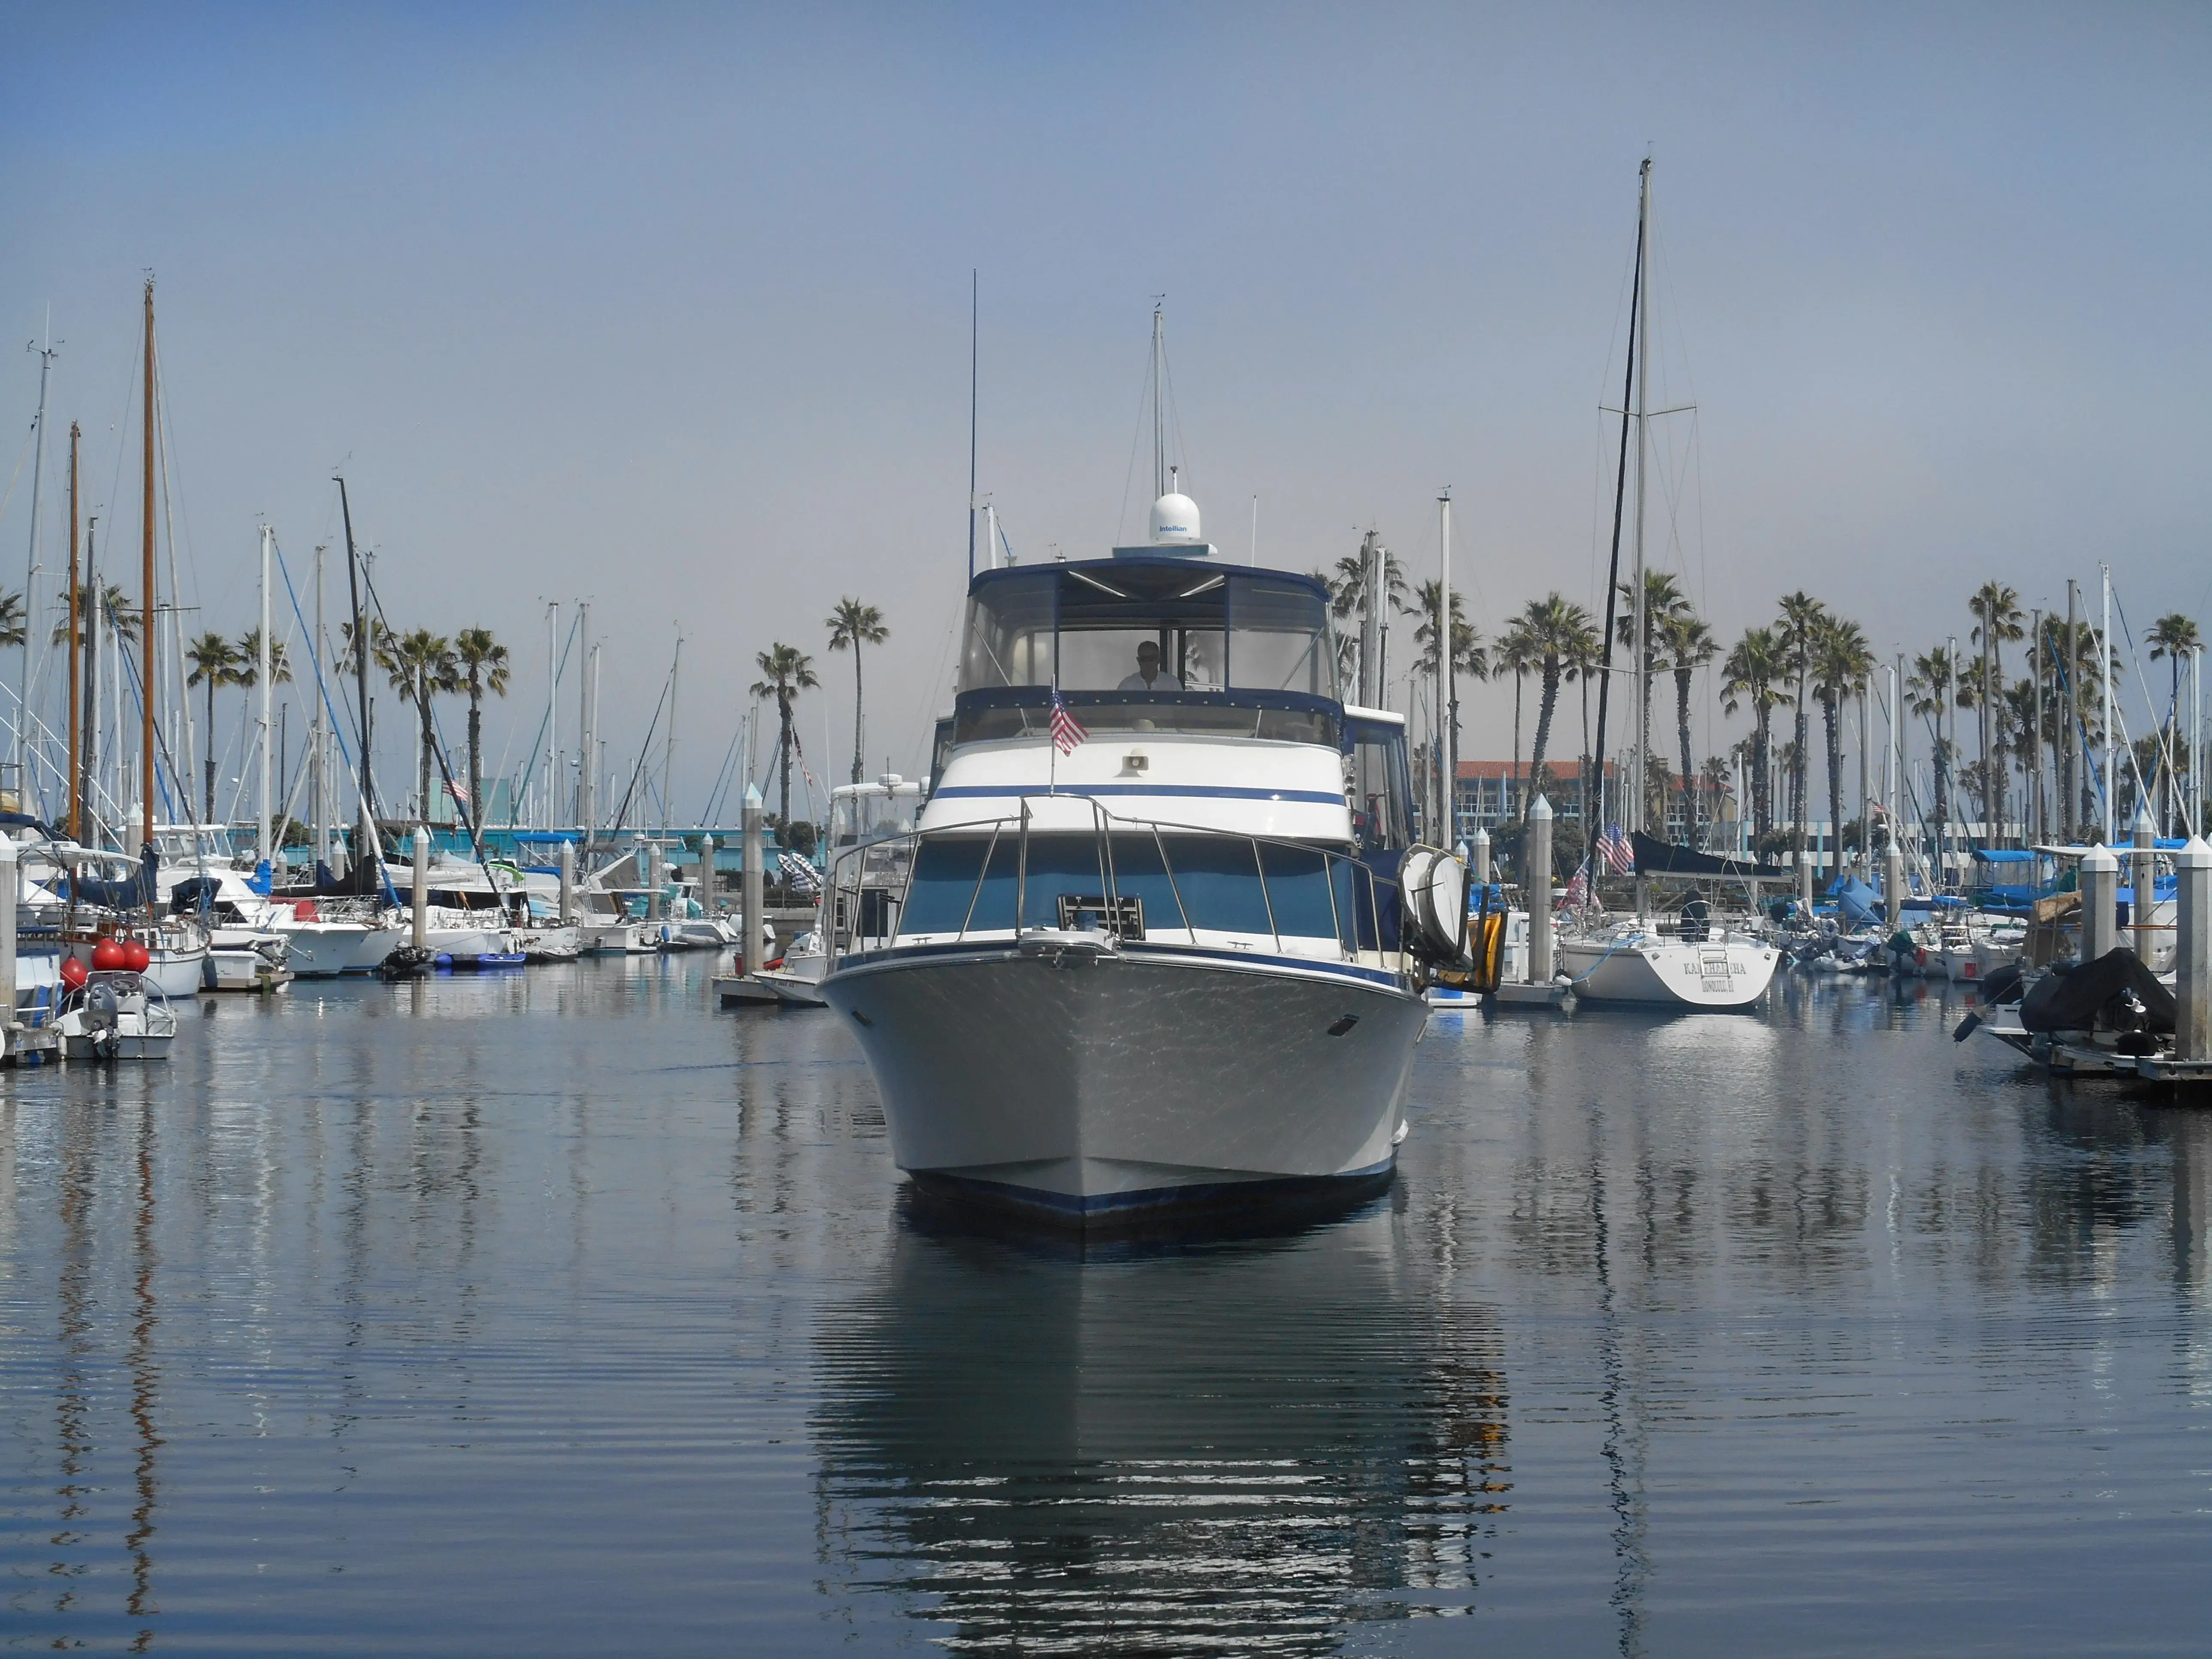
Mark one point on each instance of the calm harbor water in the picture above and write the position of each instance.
(550, 1313)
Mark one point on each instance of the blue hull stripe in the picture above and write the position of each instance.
(1179, 791)
(1176, 955)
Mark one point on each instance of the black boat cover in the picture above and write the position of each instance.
(2082, 997)
(132, 893)
(365, 880)
(1660, 858)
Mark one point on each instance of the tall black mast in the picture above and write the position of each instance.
(1619, 497)
(361, 678)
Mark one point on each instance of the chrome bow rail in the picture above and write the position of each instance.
(885, 867)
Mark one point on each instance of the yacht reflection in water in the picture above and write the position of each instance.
(1244, 1448)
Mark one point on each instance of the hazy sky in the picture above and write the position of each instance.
(668, 307)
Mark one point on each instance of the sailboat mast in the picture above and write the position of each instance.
(668, 754)
(2105, 675)
(89, 775)
(361, 646)
(1643, 346)
(262, 849)
(24, 678)
(1619, 500)
(584, 719)
(146, 601)
(552, 713)
(75, 690)
(1447, 681)
(320, 811)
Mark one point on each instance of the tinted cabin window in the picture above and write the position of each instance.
(1279, 639)
(1009, 625)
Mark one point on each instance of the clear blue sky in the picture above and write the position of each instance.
(668, 306)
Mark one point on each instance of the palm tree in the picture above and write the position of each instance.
(484, 661)
(1753, 676)
(1798, 631)
(1931, 689)
(424, 664)
(785, 671)
(1689, 645)
(1515, 653)
(854, 624)
(214, 662)
(121, 617)
(1347, 596)
(1843, 661)
(1663, 598)
(249, 659)
(14, 621)
(1996, 612)
(2172, 636)
(1469, 657)
(1558, 634)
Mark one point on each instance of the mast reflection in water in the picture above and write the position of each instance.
(1240, 1448)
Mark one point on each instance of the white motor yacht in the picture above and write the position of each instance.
(1146, 955)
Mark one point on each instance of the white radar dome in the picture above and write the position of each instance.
(1175, 519)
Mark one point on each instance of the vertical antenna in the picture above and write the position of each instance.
(974, 323)
(24, 678)
(1159, 422)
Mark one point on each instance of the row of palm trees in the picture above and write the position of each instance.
(785, 671)
(1810, 658)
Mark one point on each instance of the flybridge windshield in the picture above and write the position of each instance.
(1157, 628)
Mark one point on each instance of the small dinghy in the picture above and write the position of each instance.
(115, 1014)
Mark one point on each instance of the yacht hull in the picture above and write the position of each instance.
(1667, 973)
(1100, 1088)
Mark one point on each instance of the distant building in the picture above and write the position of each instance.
(1489, 793)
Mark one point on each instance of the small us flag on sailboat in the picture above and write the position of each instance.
(1067, 731)
(1613, 847)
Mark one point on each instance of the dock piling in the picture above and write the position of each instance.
(568, 883)
(1536, 885)
(654, 881)
(705, 875)
(2101, 921)
(2192, 955)
(748, 947)
(2143, 880)
(422, 889)
(1892, 884)
(1481, 849)
(7, 891)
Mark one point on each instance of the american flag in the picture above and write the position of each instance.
(1067, 731)
(1613, 847)
(1579, 886)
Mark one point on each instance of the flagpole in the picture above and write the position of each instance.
(1052, 774)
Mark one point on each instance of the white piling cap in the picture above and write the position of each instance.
(1174, 521)
(2100, 858)
(2196, 853)
(752, 794)
(1481, 836)
(2142, 824)
(1542, 809)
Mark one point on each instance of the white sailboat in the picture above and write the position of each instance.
(1639, 960)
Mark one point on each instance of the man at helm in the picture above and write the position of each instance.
(1150, 676)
